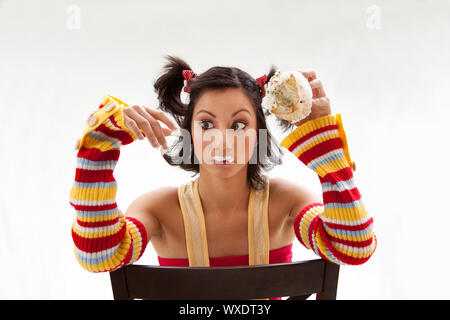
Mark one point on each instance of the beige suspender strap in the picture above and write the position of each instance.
(194, 224)
(258, 226)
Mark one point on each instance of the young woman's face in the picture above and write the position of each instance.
(223, 128)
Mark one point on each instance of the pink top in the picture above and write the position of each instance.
(280, 255)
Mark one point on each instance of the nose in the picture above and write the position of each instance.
(223, 142)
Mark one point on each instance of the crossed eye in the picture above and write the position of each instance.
(243, 123)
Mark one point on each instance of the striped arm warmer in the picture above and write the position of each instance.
(340, 229)
(104, 238)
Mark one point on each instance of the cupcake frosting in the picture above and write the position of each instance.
(292, 103)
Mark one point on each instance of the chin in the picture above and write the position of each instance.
(224, 171)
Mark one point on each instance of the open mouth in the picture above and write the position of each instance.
(223, 160)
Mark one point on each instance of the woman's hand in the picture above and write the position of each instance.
(145, 119)
(320, 102)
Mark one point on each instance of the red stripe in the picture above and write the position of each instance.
(358, 227)
(126, 260)
(114, 122)
(345, 196)
(95, 154)
(121, 135)
(297, 228)
(98, 244)
(356, 244)
(102, 207)
(320, 149)
(84, 175)
(310, 135)
(299, 217)
(337, 176)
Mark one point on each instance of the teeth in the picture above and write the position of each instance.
(221, 159)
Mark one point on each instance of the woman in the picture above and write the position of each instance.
(228, 102)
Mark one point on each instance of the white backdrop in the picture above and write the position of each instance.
(384, 65)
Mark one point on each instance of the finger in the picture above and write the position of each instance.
(156, 127)
(132, 126)
(309, 74)
(158, 114)
(166, 131)
(317, 87)
(144, 125)
(322, 102)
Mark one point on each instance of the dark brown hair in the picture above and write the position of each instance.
(168, 88)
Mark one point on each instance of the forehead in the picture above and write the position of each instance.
(223, 102)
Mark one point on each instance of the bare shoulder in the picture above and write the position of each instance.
(296, 195)
(152, 205)
(161, 200)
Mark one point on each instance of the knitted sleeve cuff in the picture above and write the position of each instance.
(105, 127)
(321, 144)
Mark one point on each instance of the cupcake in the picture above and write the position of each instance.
(288, 95)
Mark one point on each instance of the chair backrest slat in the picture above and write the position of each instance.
(296, 279)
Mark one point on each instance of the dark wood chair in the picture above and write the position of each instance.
(296, 280)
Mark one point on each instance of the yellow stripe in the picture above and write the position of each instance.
(136, 240)
(359, 238)
(346, 214)
(94, 235)
(93, 194)
(321, 246)
(331, 167)
(344, 140)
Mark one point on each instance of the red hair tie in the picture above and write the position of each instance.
(262, 81)
(188, 75)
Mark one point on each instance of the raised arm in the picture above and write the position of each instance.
(340, 228)
(105, 239)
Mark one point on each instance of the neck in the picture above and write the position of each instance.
(224, 196)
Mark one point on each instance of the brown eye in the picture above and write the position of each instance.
(243, 123)
(202, 124)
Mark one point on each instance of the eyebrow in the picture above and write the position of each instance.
(202, 110)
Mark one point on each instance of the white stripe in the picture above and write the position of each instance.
(344, 247)
(111, 125)
(107, 166)
(98, 254)
(100, 136)
(326, 158)
(316, 137)
(92, 203)
(339, 186)
(105, 229)
(346, 223)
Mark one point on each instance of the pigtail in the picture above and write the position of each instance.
(169, 85)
